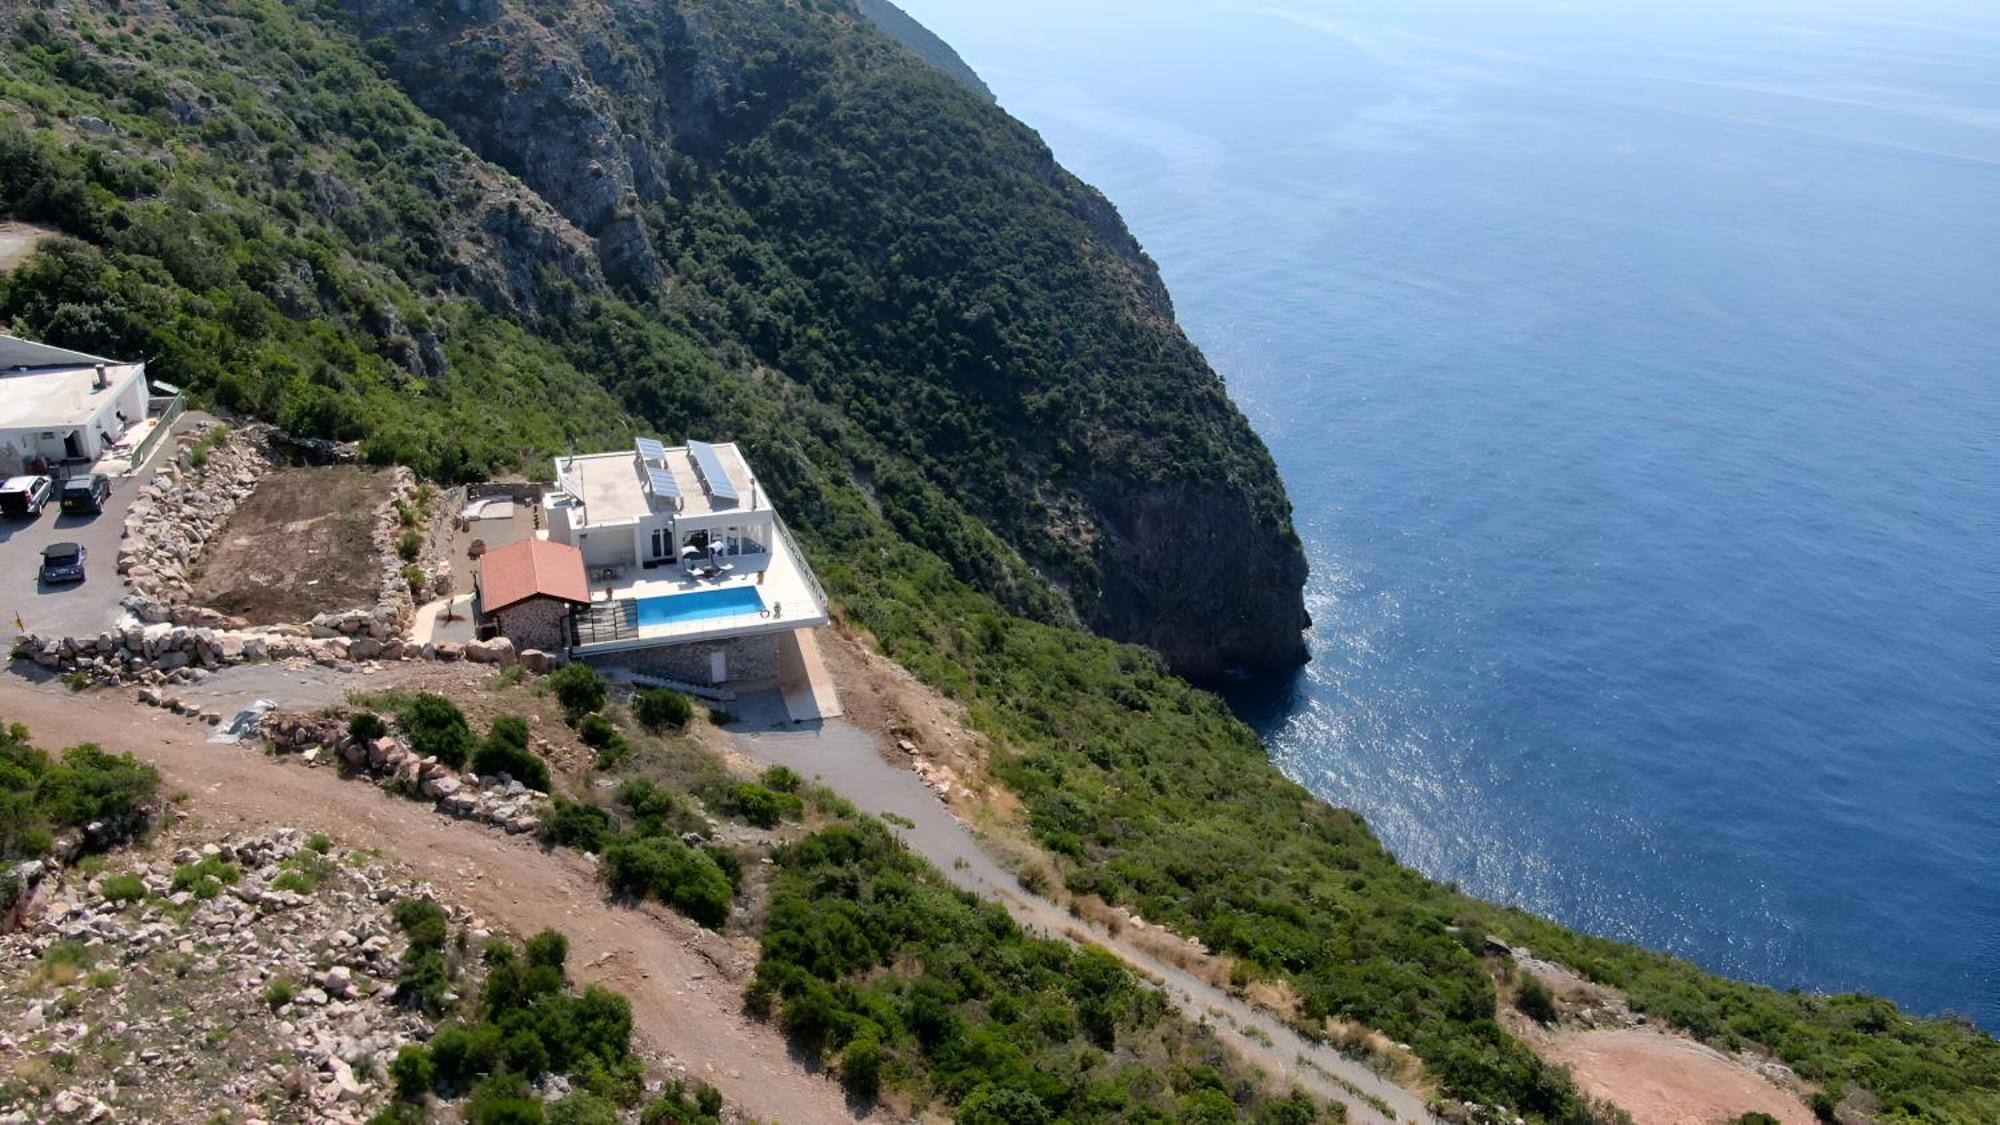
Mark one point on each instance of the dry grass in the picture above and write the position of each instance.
(1381, 1052)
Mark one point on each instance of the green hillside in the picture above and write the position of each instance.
(469, 235)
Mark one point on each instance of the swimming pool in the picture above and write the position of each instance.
(672, 609)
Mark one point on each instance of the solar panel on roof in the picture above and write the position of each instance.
(663, 483)
(709, 462)
(652, 452)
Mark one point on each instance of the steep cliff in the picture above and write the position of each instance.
(900, 26)
(796, 183)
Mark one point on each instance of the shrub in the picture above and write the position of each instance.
(579, 689)
(206, 879)
(366, 726)
(582, 1108)
(319, 842)
(503, 1099)
(410, 544)
(548, 949)
(437, 728)
(781, 779)
(505, 750)
(574, 825)
(670, 871)
(597, 732)
(525, 1054)
(1535, 1000)
(861, 1067)
(462, 1052)
(425, 976)
(760, 806)
(279, 993)
(41, 794)
(412, 1072)
(675, 1107)
(124, 888)
(660, 709)
(730, 864)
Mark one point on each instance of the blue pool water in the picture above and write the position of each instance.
(671, 609)
(1633, 370)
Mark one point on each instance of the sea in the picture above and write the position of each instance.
(1634, 370)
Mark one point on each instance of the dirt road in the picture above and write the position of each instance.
(678, 976)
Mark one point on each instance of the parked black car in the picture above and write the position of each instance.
(85, 493)
(63, 562)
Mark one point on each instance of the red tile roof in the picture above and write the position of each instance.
(529, 569)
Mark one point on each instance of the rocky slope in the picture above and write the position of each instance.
(805, 188)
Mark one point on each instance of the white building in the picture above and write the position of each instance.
(58, 406)
(682, 551)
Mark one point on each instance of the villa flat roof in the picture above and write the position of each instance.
(613, 486)
(56, 397)
(16, 352)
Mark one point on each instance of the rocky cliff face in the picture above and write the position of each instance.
(887, 237)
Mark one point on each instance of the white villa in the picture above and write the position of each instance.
(691, 573)
(60, 407)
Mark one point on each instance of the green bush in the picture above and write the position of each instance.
(661, 709)
(412, 1073)
(670, 871)
(205, 879)
(596, 731)
(578, 689)
(409, 545)
(573, 825)
(366, 726)
(760, 806)
(675, 1106)
(279, 993)
(548, 949)
(124, 888)
(460, 1053)
(41, 795)
(505, 750)
(781, 779)
(861, 1067)
(503, 1099)
(424, 979)
(1535, 1000)
(582, 1108)
(436, 728)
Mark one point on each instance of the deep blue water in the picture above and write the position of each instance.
(1636, 379)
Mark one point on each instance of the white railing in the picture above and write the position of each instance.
(805, 568)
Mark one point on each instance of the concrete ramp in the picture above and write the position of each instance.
(803, 679)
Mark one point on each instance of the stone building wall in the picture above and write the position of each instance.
(749, 658)
(541, 623)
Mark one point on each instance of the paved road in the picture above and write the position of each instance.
(78, 609)
(848, 759)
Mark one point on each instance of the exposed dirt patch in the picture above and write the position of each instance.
(1658, 1077)
(302, 544)
(1663, 1079)
(18, 241)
